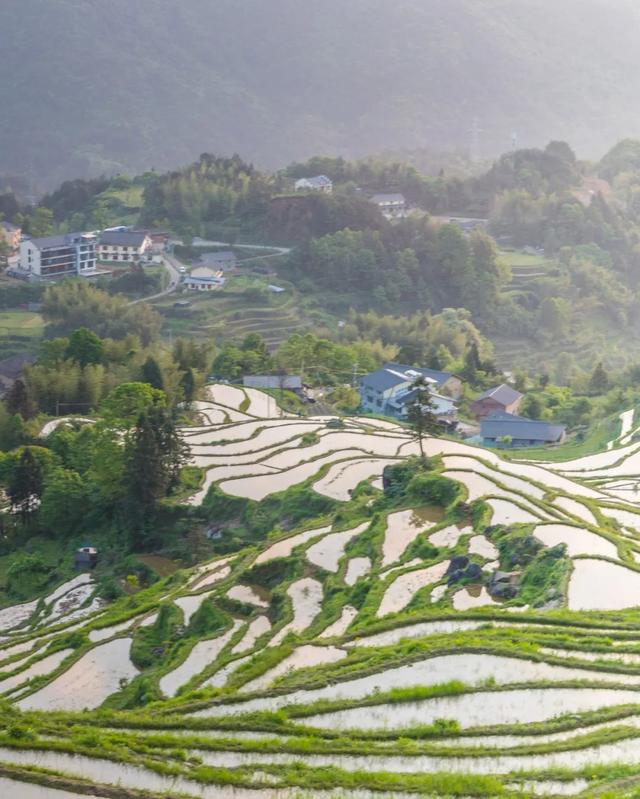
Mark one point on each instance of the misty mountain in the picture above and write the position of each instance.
(92, 86)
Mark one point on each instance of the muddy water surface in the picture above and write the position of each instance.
(402, 590)
(617, 586)
(405, 525)
(327, 552)
(88, 682)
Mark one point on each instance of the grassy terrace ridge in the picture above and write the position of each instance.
(231, 666)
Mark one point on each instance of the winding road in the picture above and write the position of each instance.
(173, 265)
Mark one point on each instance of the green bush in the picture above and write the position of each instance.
(433, 488)
(206, 620)
(271, 573)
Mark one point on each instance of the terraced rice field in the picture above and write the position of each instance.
(475, 634)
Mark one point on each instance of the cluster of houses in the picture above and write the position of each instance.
(393, 206)
(78, 254)
(390, 391)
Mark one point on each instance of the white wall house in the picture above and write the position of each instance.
(391, 205)
(204, 279)
(318, 183)
(124, 246)
(52, 257)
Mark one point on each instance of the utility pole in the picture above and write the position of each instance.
(474, 140)
(356, 366)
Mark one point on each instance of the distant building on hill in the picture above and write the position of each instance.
(204, 279)
(391, 205)
(124, 245)
(591, 187)
(503, 399)
(86, 558)
(505, 430)
(54, 257)
(318, 183)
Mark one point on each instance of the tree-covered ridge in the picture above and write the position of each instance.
(335, 79)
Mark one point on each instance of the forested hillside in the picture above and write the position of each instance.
(109, 85)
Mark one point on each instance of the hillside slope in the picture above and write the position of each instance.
(112, 85)
(472, 630)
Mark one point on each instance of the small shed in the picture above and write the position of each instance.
(86, 558)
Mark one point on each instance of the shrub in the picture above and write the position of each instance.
(433, 488)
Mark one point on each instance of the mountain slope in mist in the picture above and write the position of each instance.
(106, 85)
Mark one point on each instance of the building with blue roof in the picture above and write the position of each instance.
(390, 391)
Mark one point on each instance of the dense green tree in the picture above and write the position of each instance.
(74, 304)
(85, 347)
(41, 222)
(421, 413)
(26, 484)
(17, 400)
(532, 406)
(599, 380)
(154, 455)
(152, 373)
(128, 401)
(188, 384)
(65, 501)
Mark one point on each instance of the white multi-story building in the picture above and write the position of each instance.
(125, 246)
(52, 257)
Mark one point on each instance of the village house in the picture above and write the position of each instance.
(159, 239)
(125, 246)
(390, 391)
(506, 430)
(85, 558)
(204, 279)
(391, 205)
(503, 399)
(53, 257)
(318, 183)
(445, 383)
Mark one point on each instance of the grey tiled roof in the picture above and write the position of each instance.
(498, 425)
(440, 378)
(388, 198)
(503, 394)
(115, 238)
(384, 378)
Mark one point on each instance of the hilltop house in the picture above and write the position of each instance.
(204, 279)
(506, 430)
(318, 183)
(391, 205)
(52, 257)
(502, 399)
(390, 391)
(124, 245)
